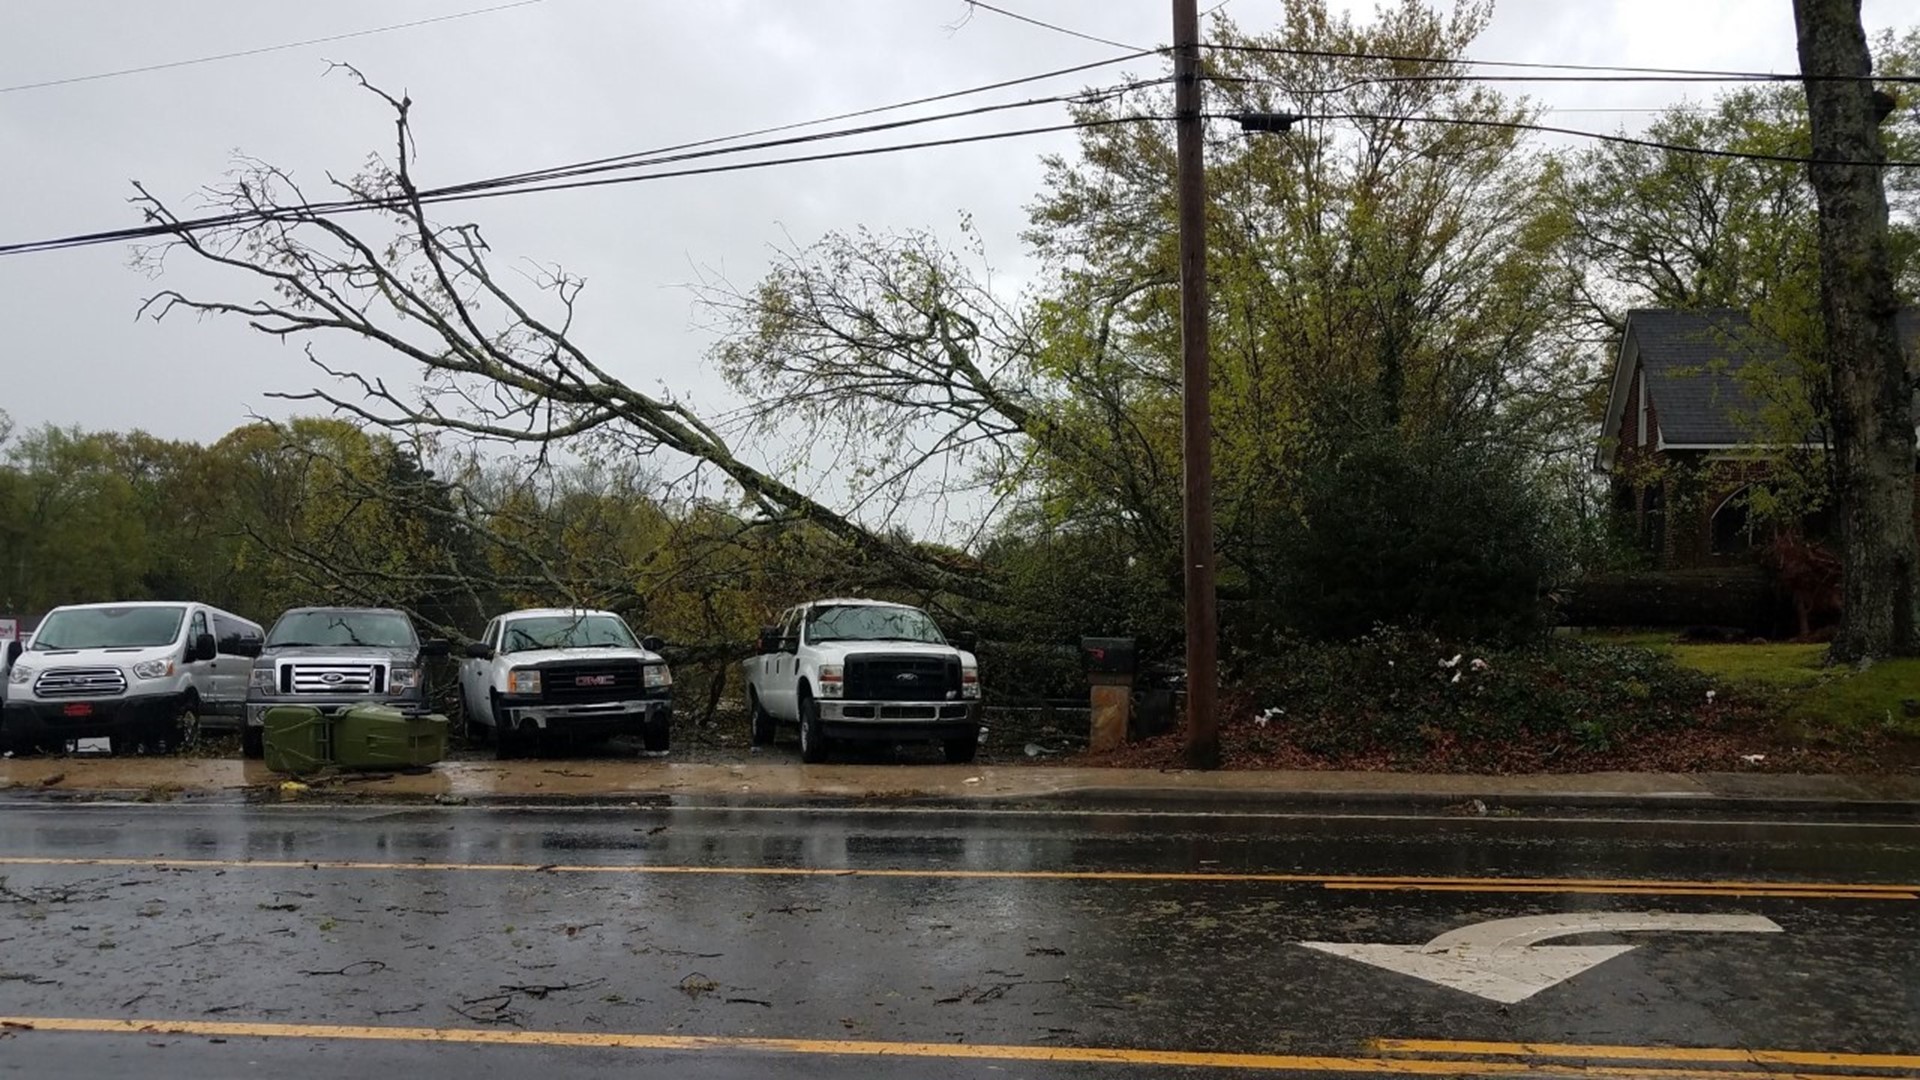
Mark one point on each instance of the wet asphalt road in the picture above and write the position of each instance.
(213, 941)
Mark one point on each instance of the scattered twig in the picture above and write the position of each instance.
(358, 967)
(197, 942)
(747, 1001)
(539, 992)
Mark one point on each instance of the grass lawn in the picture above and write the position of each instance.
(1822, 698)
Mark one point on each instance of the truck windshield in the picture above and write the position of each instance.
(567, 632)
(109, 628)
(872, 623)
(343, 629)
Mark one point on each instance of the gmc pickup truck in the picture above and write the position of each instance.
(862, 670)
(553, 672)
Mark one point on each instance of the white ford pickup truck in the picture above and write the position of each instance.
(862, 670)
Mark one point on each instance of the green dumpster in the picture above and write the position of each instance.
(380, 737)
(298, 739)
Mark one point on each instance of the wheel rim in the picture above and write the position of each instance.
(806, 733)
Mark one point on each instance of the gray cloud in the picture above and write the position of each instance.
(572, 79)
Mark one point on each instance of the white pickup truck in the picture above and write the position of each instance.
(553, 672)
(862, 670)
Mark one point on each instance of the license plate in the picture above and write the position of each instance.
(78, 709)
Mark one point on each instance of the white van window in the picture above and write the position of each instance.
(109, 628)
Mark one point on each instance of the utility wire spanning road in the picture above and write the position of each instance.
(210, 941)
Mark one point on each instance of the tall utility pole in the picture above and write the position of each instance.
(1871, 390)
(1203, 660)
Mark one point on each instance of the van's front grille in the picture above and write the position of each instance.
(333, 678)
(80, 682)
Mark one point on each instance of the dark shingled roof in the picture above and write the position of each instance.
(1698, 378)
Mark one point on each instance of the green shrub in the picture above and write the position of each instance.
(1434, 532)
(1404, 693)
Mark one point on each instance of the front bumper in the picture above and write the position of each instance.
(606, 718)
(257, 706)
(899, 721)
(30, 723)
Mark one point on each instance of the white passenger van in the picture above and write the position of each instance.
(145, 675)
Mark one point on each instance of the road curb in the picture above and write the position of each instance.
(1464, 804)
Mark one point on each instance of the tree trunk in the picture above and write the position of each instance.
(1871, 392)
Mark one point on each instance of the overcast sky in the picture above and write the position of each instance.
(563, 80)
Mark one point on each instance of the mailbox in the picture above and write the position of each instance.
(1110, 664)
(1109, 655)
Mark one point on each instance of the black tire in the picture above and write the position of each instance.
(961, 751)
(508, 742)
(253, 742)
(183, 730)
(764, 728)
(657, 737)
(813, 741)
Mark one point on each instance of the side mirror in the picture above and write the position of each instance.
(203, 647)
(769, 640)
(435, 647)
(479, 650)
(967, 641)
(653, 644)
(13, 652)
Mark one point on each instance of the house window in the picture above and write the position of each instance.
(1640, 381)
(1733, 524)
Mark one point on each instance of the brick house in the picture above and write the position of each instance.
(1695, 415)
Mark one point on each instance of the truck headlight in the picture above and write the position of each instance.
(153, 669)
(833, 681)
(19, 674)
(261, 678)
(402, 679)
(523, 682)
(657, 676)
(970, 682)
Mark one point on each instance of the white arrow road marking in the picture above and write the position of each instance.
(1502, 960)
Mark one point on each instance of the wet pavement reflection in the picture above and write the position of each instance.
(1140, 932)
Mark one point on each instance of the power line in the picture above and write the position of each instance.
(1626, 140)
(1706, 74)
(854, 115)
(630, 160)
(312, 211)
(668, 158)
(266, 48)
(1371, 80)
(1055, 27)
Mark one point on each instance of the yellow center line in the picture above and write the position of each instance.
(1648, 1053)
(1642, 886)
(856, 1048)
(1739, 891)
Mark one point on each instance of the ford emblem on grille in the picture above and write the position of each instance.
(593, 680)
(907, 676)
(333, 678)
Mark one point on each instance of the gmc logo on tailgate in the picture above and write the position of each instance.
(593, 680)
